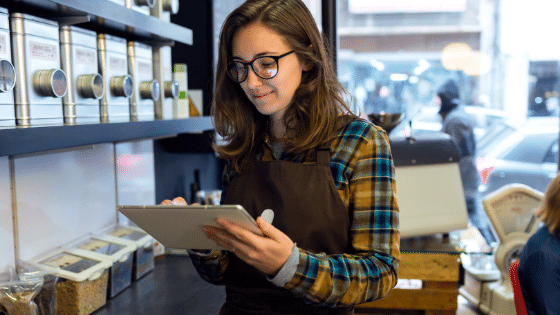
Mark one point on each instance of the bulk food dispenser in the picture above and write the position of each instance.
(112, 61)
(7, 73)
(146, 88)
(40, 83)
(85, 84)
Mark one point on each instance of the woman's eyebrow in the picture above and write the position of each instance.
(265, 53)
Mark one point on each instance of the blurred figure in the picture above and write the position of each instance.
(539, 266)
(457, 124)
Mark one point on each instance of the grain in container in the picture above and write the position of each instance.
(146, 88)
(7, 73)
(121, 255)
(41, 83)
(112, 61)
(85, 84)
(82, 282)
(143, 261)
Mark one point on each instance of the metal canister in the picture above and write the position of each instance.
(142, 6)
(41, 83)
(112, 61)
(147, 89)
(169, 87)
(85, 84)
(7, 73)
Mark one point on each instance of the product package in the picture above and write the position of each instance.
(46, 298)
(17, 293)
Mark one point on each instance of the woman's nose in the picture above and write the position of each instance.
(253, 79)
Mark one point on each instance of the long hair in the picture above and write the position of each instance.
(549, 211)
(311, 117)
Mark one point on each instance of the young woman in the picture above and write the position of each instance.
(293, 147)
(539, 264)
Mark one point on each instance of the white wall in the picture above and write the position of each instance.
(63, 195)
(6, 227)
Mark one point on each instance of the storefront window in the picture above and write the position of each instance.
(393, 55)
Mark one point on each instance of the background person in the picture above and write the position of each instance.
(539, 264)
(457, 124)
(328, 176)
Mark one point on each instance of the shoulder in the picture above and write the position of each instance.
(360, 135)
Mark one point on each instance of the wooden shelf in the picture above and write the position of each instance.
(105, 16)
(24, 140)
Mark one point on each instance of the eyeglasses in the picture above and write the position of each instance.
(265, 67)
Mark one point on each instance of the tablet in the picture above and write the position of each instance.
(181, 226)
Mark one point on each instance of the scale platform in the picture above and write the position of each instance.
(511, 209)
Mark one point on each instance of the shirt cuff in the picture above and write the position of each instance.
(287, 271)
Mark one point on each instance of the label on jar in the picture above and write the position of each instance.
(43, 51)
(117, 64)
(3, 44)
(85, 56)
(144, 68)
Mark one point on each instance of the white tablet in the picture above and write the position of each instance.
(181, 226)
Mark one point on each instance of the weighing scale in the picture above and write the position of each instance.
(487, 285)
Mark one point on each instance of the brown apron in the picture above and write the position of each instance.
(308, 208)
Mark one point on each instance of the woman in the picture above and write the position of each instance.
(539, 264)
(328, 176)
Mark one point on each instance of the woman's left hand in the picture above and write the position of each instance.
(266, 253)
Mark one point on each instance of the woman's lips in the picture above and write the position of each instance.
(260, 96)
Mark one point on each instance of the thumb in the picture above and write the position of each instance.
(268, 229)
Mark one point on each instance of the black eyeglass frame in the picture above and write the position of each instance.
(250, 63)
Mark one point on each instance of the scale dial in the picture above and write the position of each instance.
(512, 209)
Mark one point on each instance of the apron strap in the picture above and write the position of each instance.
(324, 155)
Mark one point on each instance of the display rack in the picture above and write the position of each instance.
(112, 18)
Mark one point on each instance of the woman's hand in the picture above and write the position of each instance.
(266, 253)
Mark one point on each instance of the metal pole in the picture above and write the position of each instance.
(328, 8)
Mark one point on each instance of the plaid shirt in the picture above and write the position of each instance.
(363, 172)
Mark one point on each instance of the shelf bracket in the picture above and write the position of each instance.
(72, 20)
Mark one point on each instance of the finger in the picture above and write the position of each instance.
(268, 229)
(179, 201)
(166, 202)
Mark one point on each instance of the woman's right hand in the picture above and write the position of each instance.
(176, 202)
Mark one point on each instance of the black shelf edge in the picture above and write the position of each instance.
(25, 140)
(106, 15)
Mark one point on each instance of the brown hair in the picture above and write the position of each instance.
(549, 211)
(311, 117)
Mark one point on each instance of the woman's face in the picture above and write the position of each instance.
(270, 96)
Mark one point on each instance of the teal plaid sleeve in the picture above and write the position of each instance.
(363, 172)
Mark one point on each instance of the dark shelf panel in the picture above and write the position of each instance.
(106, 16)
(20, 140)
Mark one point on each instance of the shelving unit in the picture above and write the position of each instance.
(111, 18)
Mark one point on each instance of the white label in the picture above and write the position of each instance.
(43, 51)
(117, 64)
(3, 44)
(85, 57)
(144, 67)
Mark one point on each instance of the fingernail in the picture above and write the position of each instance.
(176, 203)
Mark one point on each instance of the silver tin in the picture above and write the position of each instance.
(41, 83)
(170, 87)
(85, 84)
(112, 60)
(7, 73)
(142, 6)
(147, 89)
